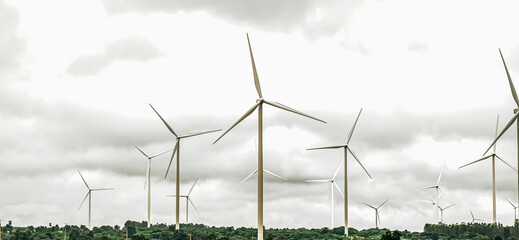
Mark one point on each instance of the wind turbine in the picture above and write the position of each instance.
(514, 118)
(259, 105)
(377, 217)
(441, 210)
(346, 150)
(515, 209)
(188, 200)
(438, 188)
(89, 195)
(435, 204)
(176, 150)
(494, 156)
(332, 184)
(148, 176)
(473, 218)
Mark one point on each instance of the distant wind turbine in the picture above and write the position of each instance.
(148, 176)
(514, 118)
(188, 200)
(438, 188)
(494, 156)
(434, 205)
(473, 218)
(176, 150)
(515, 209)
(377, 216)
(89, 195)
(332, 184)
(259, 105)
(441, 210)
(346, 150)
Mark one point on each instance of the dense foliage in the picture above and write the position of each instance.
(140, 231)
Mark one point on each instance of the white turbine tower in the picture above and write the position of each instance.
(259, 105)
(515, 209)
(89, 195)
(188, 200)
(377, 216)
(332, 184)
(176, 150)
(473, 218)
(346, 150)
(493, 156)
(148, 176)
(439, 190)
(441, 210)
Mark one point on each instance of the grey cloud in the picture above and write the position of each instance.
(417, 46)
(11, 43)
(130, 48)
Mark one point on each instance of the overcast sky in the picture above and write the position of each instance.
(76, 78)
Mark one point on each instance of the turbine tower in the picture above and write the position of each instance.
(332, 184)
(259, 105)
(89, 195)
(494, 156)
(377, 217)
(441, 210)
(148, 176)
(346, 150)
(514, 118)
(188, 200)
(176, 150)
(515, 209)
(473, 218)
(439, 190)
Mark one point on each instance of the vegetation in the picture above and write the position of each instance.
(140, 231)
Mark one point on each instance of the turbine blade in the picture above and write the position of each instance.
(511, 203)
(441, 172)
(158, 154)
(330, 147)
(273, 174)
(429, 187)
(140, 150)
(479, 160)
(164, 121)
(378, 218)
(353, 128)
(383, 203)
(83, 179)
(200, 133)
(337, 171)
(512, 88)
(449, 206)
(356, 158)
(171, 195)
(503, 131)
(369, 206)
(472, 214)
(249, 112)
(146, 175)
(245, 179)
(286, 108)
(318, 181)
(497, 124)
(505, 162)
(175, 149)
(254, 71)
(192, 204)
(102, 189)
(83, 200)
(338, 189)
(190, 190)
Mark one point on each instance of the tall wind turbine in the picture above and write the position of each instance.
(514, 118)
(188, 200)
(441, 210)
(377, 217)
(473, 218)
(148, 176)
(439, 190)
(332, 184)
(176, 150)
(89, 195)
(259, 105)
(493, 156)
(346, 150)
(515, 210)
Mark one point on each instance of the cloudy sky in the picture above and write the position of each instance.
(76, 78)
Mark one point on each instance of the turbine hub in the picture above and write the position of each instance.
(260, 100)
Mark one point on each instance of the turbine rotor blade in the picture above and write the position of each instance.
(286, 108)
(441, 172)
(495, 136)
(338, 189)
(505, 162)
(479, 160)
(369, 206)
(249, 112)
(356, 158)
(158, 154)
(254, 71)
(175, 149)
(200, 133)
(512, 88)
(245, 179)
(353, 128)
(140, 150)
(337, 171)
(146, 175)
(164, 121)
(83, 179)
(83, 200)
(273, 174)
(330, 147)
(503, 131)
(190, 190)
(471, 214)
(102, 189)
(318, 181)
(192, 204)
(511, 203)
(449, 206)
(383, 203)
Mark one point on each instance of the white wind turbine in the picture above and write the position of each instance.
(494, 156)
(176, 150)
(377, 216)
(148, 176)
(514, 118)
(439, 190)
(434, 205)
(259, 105)
(332, 184)
(515, 209)
(346, 150)
(89, 195)
(441, 210)
(473, 218)
(188, 200)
